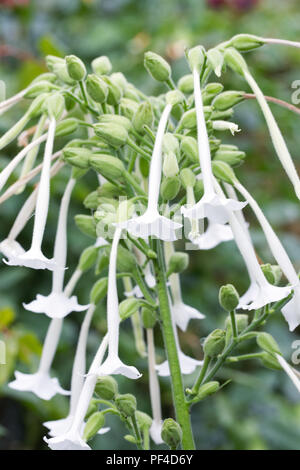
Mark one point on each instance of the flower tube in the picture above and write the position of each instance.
(57, 304)
(113, 364)
(151, 223)
(291, 310)
(289, 371)
(213, 206)
(156, 426)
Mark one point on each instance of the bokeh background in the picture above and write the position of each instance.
(260, 409)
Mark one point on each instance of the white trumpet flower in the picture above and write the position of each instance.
(113, 364)
(213, 206)
(291, 310)
(34, 257)
(151, 223)
(57, 304)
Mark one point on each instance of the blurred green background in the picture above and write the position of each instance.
(260, 409)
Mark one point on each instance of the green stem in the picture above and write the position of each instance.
(134, 183)
(200, 378)
(233, 323)
(137, 432)
(181, 407)
(135, 147)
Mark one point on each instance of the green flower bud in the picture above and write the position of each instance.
(186, 84)
(88, 257)
(92, 408)
(270, 361)
(131, 93)
(86, 224)
(107, 165)
(61, 72)
(171, 433)
(106, 387)
(174, 97)
(38, 88)
(115, 119)
(115, 92)
(66, 127)
(115, 135)
(198, 189)
(267, 343)
(54, 105)
(126, 404)
(189, 119)
(144, 421)
(170, 143)
(196, 58)
(96, 88)
(227, 99)
(129, 108)
(235, 61)
(272, 273)
(246, 42)
(241, 321)
(178, 262)
(99, 290)
(103, 261)
(210, 91)
(214, 343)
(77, 156)
(95, 422)
(222, 114)
(189, 147)
(143, 116)
(223, 171)
(76, 68)
(231, 157)
(91, 201)
(36, 107)
(101, 65)
(215, 59)
(170, 165)
(207, 389)
(188, 179)
(47, 76)
(78, 172)
(126, 261)
(119, 79)
(128, 307)
(157, 67)
(108, 189)
(149, 317)
(170, 187)
(52, 61)
(228, 297)
(125, 210)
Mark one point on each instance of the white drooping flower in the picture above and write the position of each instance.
(225, 126)
(275, 133)
(151, 223)
(34, 258)
(71, 439)
(41, 383)
(291, 310)
(156, 426)
(57, 304)
(212, 205)
(113, 364)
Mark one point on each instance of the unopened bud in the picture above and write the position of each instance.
(52, 61)
(214, 343)
(144, 421)
(241, 320)
(227, 99)
(108, 166)
(38, 88)
(178, 262)
(235, 61)
(188, 179)
(128, 307)
(119, 79)
(170, 143)
(170, 165)
(228, 297)
(99, 290)
(223, 171)
(272, 273)
(186, 84)
(76, 68)
(96, 88)
(126, 261)
(95, 422)
(157, 67)
(171, 433)
(66, 127)
(115, 119)
(267, 343)
(149, 317)
(215, 58)
(91, 201)
(143, 116)
(207, 389)
(231, 157)
(246, 42)
(196, 58)
(86, 224)
(36, 107)
(108, 189)
(189, 147)
(106, 387)
(88, 258)
(77, 156)
(129, 108)
(115, 92)
(101, 65)
(126, 404)
(174, 97)
(54, 105)
(170, 187)
(270, 361)
(113, 134)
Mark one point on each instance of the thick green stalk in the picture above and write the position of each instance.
(181, 407)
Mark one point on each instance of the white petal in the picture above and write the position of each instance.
(32, 259)
(68, 441)
(216, 208)
(266, 295)
(152, 224)
(155, 431)
(291, 310)
(103, 430)
(41, 384)
(135, 292)
(55, 305)
(250, 294)
(59, 426)
(101, 242)
(289, 371)
(11, 248)
(184, 313)
(215, 234)
(114, 366)
(187, 365)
